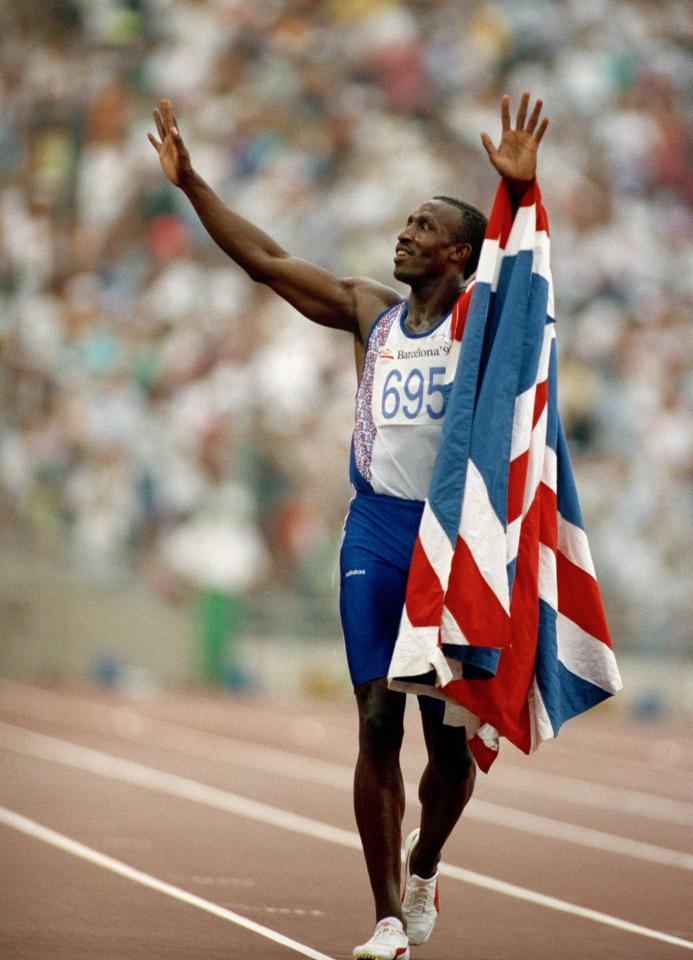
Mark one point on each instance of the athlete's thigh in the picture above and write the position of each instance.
(446, 745)
(381, 710)
(371, 599)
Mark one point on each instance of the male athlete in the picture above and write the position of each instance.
(401, 353)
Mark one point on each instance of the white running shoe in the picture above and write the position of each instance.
(389, 942)
(420, 902)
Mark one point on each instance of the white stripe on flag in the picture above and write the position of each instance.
(535, 464)
(542, 256)
(420, 689)
(522, 422)
(572, 542)
(489, 736)
(483, 533)
(548, 583)
(522, 238)
(550, 471)
(489, 263)
(524, 402)
(458, 716)
(450, 630)
(585, 656)
(513, 539)
(414, 650)
(540, 725)
(436, 545)
(523, 235)
(545, 358)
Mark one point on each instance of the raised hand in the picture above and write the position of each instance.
(173, 154)
(516, 155)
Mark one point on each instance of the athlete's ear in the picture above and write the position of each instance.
(460, 253)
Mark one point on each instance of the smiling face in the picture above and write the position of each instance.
(428, 247)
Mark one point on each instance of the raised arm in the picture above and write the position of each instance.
(319, 295)
(515, 158)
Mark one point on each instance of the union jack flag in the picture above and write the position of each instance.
(503, 617)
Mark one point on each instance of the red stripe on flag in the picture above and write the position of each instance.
(473, 604)
(548, 525)
(502, 700)
(424, 593)
(542, 218)
(524, 604)
(501, 219)
(483, 755)
(517, 475)
(540, 397)
(460, 311)
(531, 194)
(579, 599)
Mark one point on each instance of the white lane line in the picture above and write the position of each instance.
(583, 836)
(540, 899)
(105, 765)
(300, 767)
(133, 725)
(130, 724)
(668, 754)
(59, 840)
(171, 736)
(570, 789)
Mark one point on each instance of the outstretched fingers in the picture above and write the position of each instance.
(531, 127)
(542, 130)
(168, 117)
(488, 145)
(165, 112)
(534, 118)
(166, 126)
(522, 111)
(159, 125)
(505, 112)
(515, 157)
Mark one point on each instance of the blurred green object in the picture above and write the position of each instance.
(218, 618)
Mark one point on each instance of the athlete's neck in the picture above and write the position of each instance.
(429, 305)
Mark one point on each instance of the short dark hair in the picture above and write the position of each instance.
(471, 229)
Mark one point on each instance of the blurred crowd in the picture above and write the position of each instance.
(165, 418)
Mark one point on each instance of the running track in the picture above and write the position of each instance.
(209, 826)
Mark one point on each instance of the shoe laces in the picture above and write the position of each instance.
(420, 896)
(384, 930)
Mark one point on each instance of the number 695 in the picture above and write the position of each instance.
(411, 393)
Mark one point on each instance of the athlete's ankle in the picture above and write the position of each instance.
(423, 867)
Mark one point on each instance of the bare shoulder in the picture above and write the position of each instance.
(366, 290)
(370, 299)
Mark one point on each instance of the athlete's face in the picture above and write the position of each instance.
(426, 248)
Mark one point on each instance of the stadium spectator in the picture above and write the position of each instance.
(125, 348)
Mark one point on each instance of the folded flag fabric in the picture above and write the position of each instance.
(503, 617)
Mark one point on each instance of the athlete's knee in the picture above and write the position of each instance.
(381, 726)
(450, 757)
(380, 731)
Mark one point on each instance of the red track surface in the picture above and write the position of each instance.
(206, 802)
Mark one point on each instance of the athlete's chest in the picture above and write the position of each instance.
(409, 374)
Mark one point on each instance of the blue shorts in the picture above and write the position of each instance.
(379, 537)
